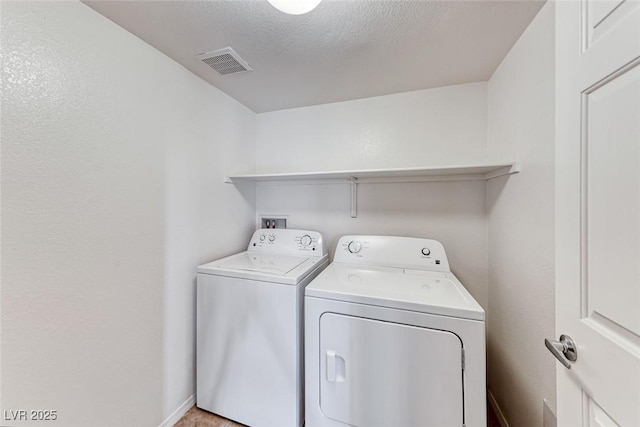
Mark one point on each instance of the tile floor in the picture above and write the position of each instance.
(196, 417)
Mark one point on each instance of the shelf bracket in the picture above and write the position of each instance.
(354, 196)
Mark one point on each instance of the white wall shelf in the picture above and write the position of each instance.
(368, 176)
(435, 173)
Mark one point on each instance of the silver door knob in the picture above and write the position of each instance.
(564, 350)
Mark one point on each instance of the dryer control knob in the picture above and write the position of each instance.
(262, 237)
(305, 240)
(272, 238)
(426, 251)
(354, 247)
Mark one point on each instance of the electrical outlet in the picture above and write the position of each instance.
(273, 221)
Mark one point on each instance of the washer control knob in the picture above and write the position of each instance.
(426, 251)
(272, 238)
(305, 240)
(262, 237)
(354, 247)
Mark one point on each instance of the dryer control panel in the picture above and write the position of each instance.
(391, 251)
(286, 241)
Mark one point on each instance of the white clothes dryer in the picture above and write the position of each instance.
(392, 338)
(250, 328)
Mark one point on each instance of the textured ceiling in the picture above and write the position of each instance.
(343, 49)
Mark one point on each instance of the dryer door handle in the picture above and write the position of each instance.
(336, 371)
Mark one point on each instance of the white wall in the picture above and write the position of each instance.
(521, 226)
(210, 136)
(423, 128)
(430, 127)
(112, 165)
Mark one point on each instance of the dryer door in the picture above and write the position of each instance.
(376, 373)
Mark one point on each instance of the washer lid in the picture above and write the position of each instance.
(264, 267)
(263, 263)
(416, 290)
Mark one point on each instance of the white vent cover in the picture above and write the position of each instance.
(225, 61)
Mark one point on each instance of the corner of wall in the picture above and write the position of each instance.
(521, 127)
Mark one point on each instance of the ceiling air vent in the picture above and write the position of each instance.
(225, 61)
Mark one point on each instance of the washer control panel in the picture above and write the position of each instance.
(391, 251)
(286, 241)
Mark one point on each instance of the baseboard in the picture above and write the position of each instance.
(178, 413)
(492, 401)
(549, 418)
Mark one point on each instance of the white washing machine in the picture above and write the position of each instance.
(392, 338)
(250, 328)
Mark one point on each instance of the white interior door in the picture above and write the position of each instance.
(598, 210)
